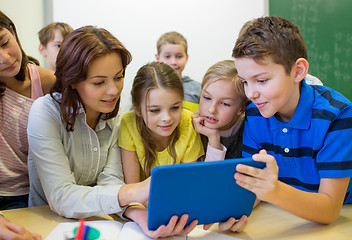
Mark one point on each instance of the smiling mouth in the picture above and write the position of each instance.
(211, 119)
(109, 101)
(166, 127)
(12, 66)
(260, 105)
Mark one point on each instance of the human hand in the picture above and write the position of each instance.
(199, 126)
(10, 230)
(213, 135)
(231, 224)
(174, 227)
(134, 192)
(262, 182)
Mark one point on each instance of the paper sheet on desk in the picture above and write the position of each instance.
(108, 229)
(113, 230)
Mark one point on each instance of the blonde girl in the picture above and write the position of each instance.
(221, 112)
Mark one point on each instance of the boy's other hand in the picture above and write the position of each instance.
(262, 182)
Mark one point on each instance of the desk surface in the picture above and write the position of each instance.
(266, 222)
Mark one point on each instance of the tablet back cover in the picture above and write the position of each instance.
(206, 191)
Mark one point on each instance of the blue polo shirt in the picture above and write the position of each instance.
(316, 143)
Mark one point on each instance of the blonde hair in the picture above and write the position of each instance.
(224, 70)
(172, 38)
(46, 34)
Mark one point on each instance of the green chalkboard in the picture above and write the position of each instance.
(326, 26)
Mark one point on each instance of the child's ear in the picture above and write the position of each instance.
(301, 69)
(241, 110)
(157, 57)
(42, 50)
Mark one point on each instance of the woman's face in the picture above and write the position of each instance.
(102, 88)
(10, 54)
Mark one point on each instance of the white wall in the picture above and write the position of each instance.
(210, 27)
(28, 17)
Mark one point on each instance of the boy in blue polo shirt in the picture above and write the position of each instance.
(303, 133)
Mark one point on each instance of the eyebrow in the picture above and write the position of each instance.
(2, 36)
(100, 76)
(155, 105)
(224, 98)
(254, 76)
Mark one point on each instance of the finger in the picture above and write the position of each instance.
(223, 226)
(207, 226)
(16, 228)
(194, 116)
(170, 226)
(190, 227)
(240, 225)
(250, 171)
(37, 236)
(248, 182)
(156, 233)
(180, 225)
(262, 156)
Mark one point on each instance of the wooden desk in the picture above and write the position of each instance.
(266, 222)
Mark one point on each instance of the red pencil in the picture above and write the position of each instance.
(80, 230)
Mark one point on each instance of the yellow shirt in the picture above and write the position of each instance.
(188, 147)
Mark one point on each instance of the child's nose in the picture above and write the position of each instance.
(165, 116)
(251, 92)
(212, 108)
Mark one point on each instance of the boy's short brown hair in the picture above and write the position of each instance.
(272, 36)
(46, 34)
(172, 38)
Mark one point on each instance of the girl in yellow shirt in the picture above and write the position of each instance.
(158, 131)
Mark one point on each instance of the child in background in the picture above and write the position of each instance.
(21, 82)
(158, 131)
(172, 49)
(221, 119)
(295, 128)
(50, 38)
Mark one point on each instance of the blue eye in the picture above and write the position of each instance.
(206, 98)
(226, 104)
(175, 108)
(154, 110)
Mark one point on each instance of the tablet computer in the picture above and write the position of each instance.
(207, 191)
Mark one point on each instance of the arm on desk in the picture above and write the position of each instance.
(10, 230)
(322, 207)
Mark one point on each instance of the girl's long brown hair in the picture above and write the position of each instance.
(5, 22)
(151, 76)
(78, 50)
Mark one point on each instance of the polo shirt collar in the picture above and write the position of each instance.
(302, 117)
